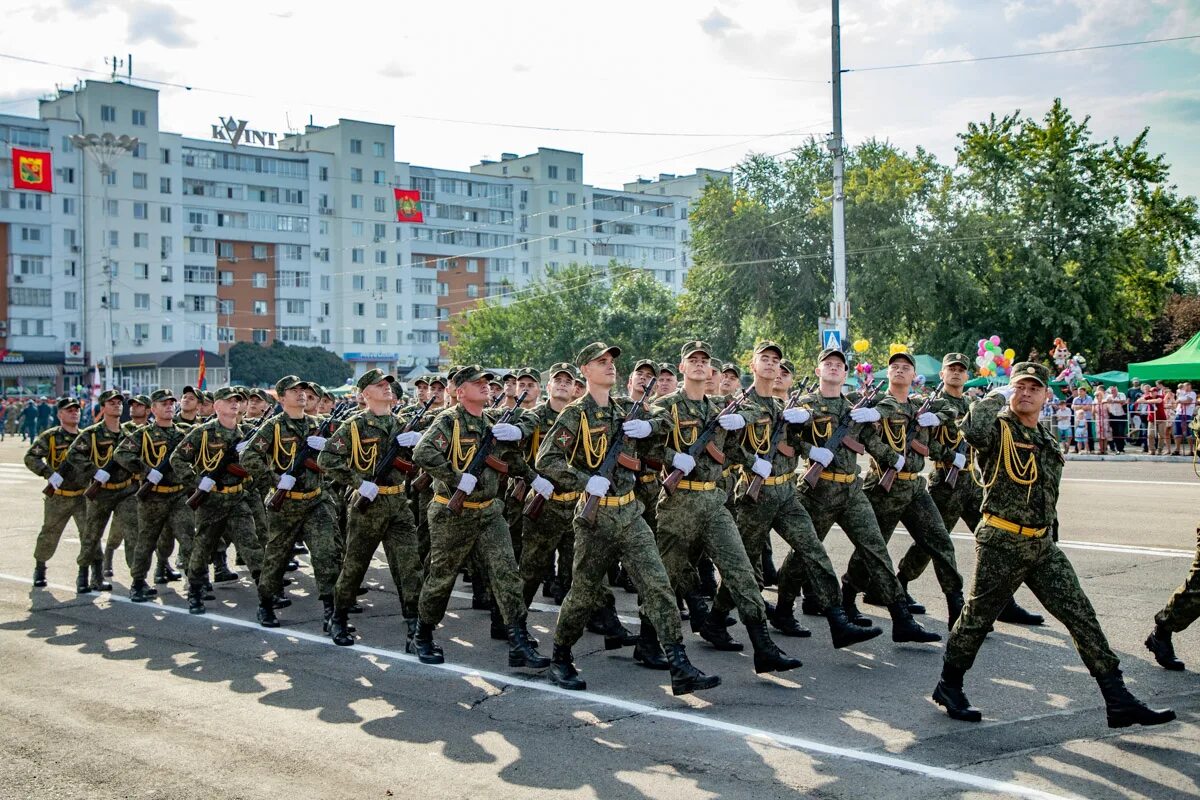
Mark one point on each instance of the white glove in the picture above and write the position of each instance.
(241, 446)
(1006, 391)
(504, 432)
(928, 420)
(408, 439)
(368, 490)
(864, 414)
(286, 482)
(684, 463)
(731, 422)
(207, 484)
(466, 483)
(56, 480)
(597, 486)
(821, 455)
(101, 476)
(796, 416)
(154, 476)
(542, 486)
(899, 463)
(960, 460)
(636, 428)
(317, 442)
(761, 468)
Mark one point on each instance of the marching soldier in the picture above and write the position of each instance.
(730, 380)
(205, 406)
(1022, 469)
(189, 402)
(139, 414)
(1180, 611)
(90, 459)
(668, 380)
(445, 451)
(44, 458)
(421, 498)
(569, 456)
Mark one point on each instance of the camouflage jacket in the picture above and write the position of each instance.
(146, 448)
(891, 433)
(762, 414)
(93, 449)
(352, 453)
(447, 447)
(827, 413)
(575, 445)
(274, 447)
(48, 452)
(201, 450)
(677, 423)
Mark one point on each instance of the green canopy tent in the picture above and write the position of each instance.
(1182, 365)
(1111, 378)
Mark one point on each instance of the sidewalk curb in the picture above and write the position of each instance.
(1128, 457)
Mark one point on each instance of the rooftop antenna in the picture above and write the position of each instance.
(116, 64)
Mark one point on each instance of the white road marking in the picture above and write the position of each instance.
(1193, 484)
(1101, 547)
(633, 707)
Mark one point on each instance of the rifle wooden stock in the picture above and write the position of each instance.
(421, 482)
(311, 465)
(812, 475)
(237, 470)
(785, 448)
(407, 467)
(888, 478)
(714, 453)
(275, 499)
(92, 490)
(920, 448)
(590, 506)
(756, 484)
(671, 482)
(520, 490)
(196, 498)
(853, 445)
(49, 490)
(533, 507)
(145, 489)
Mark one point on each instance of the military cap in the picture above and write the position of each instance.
(290, 382)
(1030, 370)
(423, 379)
(960, 359)
(695, 346)
(499, 384)
(594, 351)
(787, 366)
(450, 373)
(261, 394)
(562, 366)
(647, 363)
(729, 366)
(161, 394)
(579, 379)
(370, 378)
(511, 375)
(671, 368)
(108, 394)
(531, 373)
(192, 390)
(230, 392)
(832, 351)
(470, 373)
(438, 379)
(905, 354)
(767, 344)
(67, 402)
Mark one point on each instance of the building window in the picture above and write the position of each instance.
(168, 273)
(380, 177)
(356, 255)
(472, 290)
(141, 271)
(164, 185)
(472, 265)
(141, 302)
(260, 308)
(323, 175)
(164, 214)
(381, 311)
(356, 146)
(108, 113)
(70, 301)
(225, 250)
(356, 175)
(359, 309)
(139, 117)
(552, 196)
(167, 304)
(139, 180)
(260, 252)
(377, 149)
(168, 333)
(225, 307)
(325, 336)
(225, 277)
(259, 281)
(552, 172)
(570, 198)
(141, 211)
(571, 174)
(552, 220)
(380, 205)
(359, 336)
(356, 201)
(260, 336)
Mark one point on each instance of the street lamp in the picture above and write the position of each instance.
(106, 150)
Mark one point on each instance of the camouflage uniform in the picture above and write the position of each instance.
(1022, 468)
(163, 513)
(1184, 606)
(541, 538)
(43, 458)
(92, 450)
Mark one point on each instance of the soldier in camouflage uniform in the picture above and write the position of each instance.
(43, 458)
(694, 520)
(189, 401)
(908, 500)
(90, 460)
(276, 456)
(420, 498)
(258, 405)
(569, 456)
(162, 512)
(445, 452)
(1181, 610)
(352, 457)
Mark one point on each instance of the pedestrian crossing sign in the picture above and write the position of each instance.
(831, 337)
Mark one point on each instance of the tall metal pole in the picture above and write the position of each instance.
(839, 309)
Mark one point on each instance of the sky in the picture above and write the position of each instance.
(712, 80)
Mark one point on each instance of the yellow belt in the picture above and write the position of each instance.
(1011, 527)
(564, 497)
(838, 477)
(112, 487)
(648, 478)
(437, 498)
(237, 487)
(698, 486)
(623, 500)
(302, 495)
(167, 489)
(68, 492)
(775, 480)
(391, 489)
(907, 476)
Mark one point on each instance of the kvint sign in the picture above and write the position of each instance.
(235, 132)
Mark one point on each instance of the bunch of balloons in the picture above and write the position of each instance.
(991, 360)
(865, 372)
(861, 345)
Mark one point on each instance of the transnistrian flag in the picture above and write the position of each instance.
(408, 205)
(200, 373)
(31, 170)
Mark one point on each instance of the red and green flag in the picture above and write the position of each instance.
(200, 373)
(408, 205)
(31, 170)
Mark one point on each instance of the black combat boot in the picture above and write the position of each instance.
(770, 574)
(767, 655)
(221, 571)
(83, 584)
(856, 617)
(522, 652)
(648, 652)
(810, 606)
(499, 631)
(138, 592)
(708, 578)
(562, 670)
(954, 606)
(410, 625)
(159, 578)
(698, 610)
(338, 624)
(1016, 615)
(1123, 709)
(606, 623)
(949, 693)
(843, 632)
(98, 582)
(685, 678)
(292, 566)
(422, 645)
(561, 588)
(718, 635)
(39, 574)
(913, 606)
(208, 589)
(549, 588)
(326, 612)
(280, 601)
(266, 616)
(170, 575)
(195, 598)
(907, 629)
(783, 617)
(108, 570)
(1158, 643)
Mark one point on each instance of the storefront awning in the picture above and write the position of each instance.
(29, 370)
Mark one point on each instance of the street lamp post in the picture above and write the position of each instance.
(106, 150)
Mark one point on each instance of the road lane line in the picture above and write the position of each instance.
(633, 707)
(1193, 484)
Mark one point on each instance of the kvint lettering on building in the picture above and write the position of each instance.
(235, 131)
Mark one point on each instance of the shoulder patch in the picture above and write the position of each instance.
(564, 438)
(440, 441)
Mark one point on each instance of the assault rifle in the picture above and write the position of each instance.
(483, 457)
(841, 436)
(147, 487)
(305, 457)
(778, 443)
(704, 443)
(391, 460)
(614, 455)
(910, 440)
(225, 465)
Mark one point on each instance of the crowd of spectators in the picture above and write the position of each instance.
(1152, 417)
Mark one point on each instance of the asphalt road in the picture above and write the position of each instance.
(101, 698)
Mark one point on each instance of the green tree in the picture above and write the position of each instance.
(256, 365)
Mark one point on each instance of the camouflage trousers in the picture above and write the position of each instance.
(57, 511)
(620, 532)
(385, 521)
(515, 521)
(309, 521)
(692, 524)
(846, 505)
(909, 502)
(646, 492)
(1004, 560)
(162, 519)
(223, 516)
(541, 539)
(451, 540)
(780, 508)
(341, 508)
(119, 506)
(257, 499)
(1184, 606)
(419, 502)
(963, 502)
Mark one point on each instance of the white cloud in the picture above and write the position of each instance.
(717, 24)
(156, 22)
